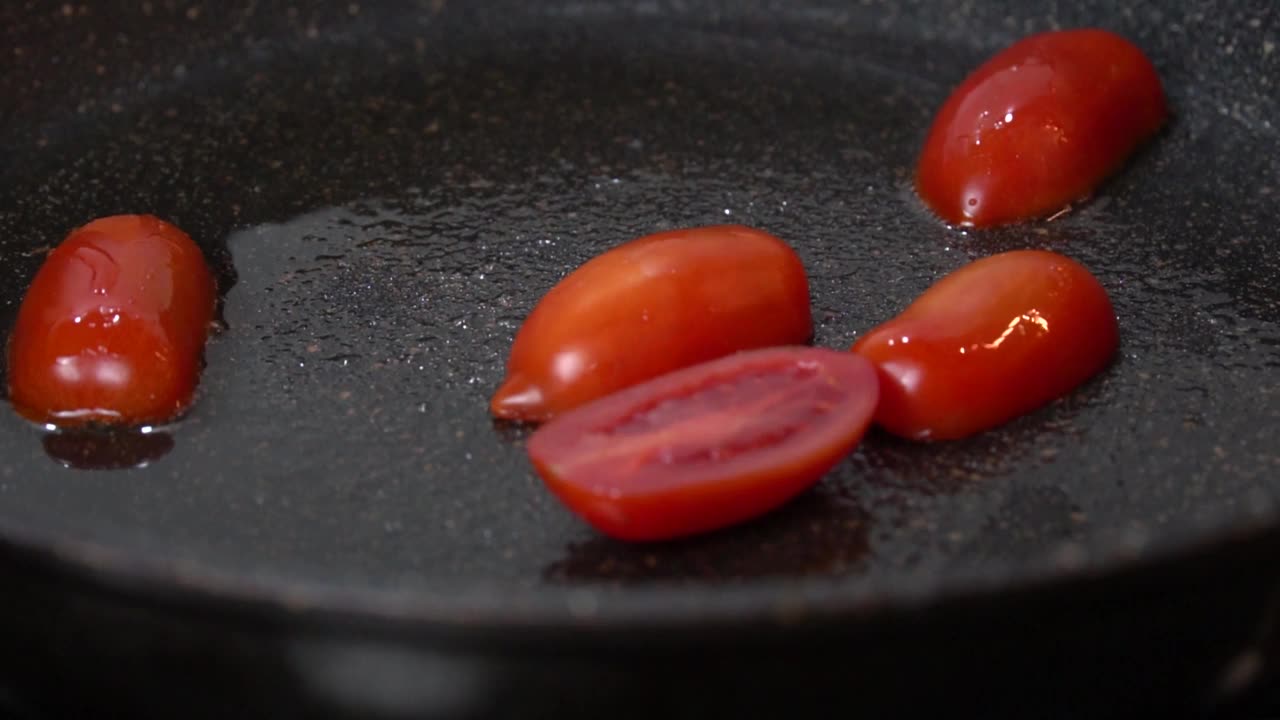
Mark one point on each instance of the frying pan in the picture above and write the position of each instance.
(337, 528)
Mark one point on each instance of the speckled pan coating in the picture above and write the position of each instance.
(386, 189)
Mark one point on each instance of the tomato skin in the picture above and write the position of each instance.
(650, 306)
(991, 341)
(1038, 126)
(710, 445)
(112, 328)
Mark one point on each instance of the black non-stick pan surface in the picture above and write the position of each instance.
(386, 190)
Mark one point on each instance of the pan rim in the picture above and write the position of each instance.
(515, 613)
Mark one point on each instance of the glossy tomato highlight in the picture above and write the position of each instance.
(113, 326)
(709, 445)
(648, 307)
(991, 341)
(1038, 126)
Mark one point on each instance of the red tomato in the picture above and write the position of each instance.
(709, 445)
(1038, 126)
(991, 341)
(113, 326)
(651, 306)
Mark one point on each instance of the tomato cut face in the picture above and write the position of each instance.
(648, 307)
(991, 341)
(113, 326)
(709, 445)
(1038, 126)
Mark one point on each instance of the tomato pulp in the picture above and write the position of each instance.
(113, 326)
(993, 340)
(1038, 126)
(709, 445)
(648, 307)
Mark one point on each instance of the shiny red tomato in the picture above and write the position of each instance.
(709, 445)
(113, 326)
(1038, 126)
(993, 340)
(648, 307)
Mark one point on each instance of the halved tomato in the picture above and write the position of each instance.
(1038, 126)
(709, 445)
(995, 339)
(650, 306)
(113, 326)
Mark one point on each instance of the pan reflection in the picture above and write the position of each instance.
(107, 449)
(819, 533)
